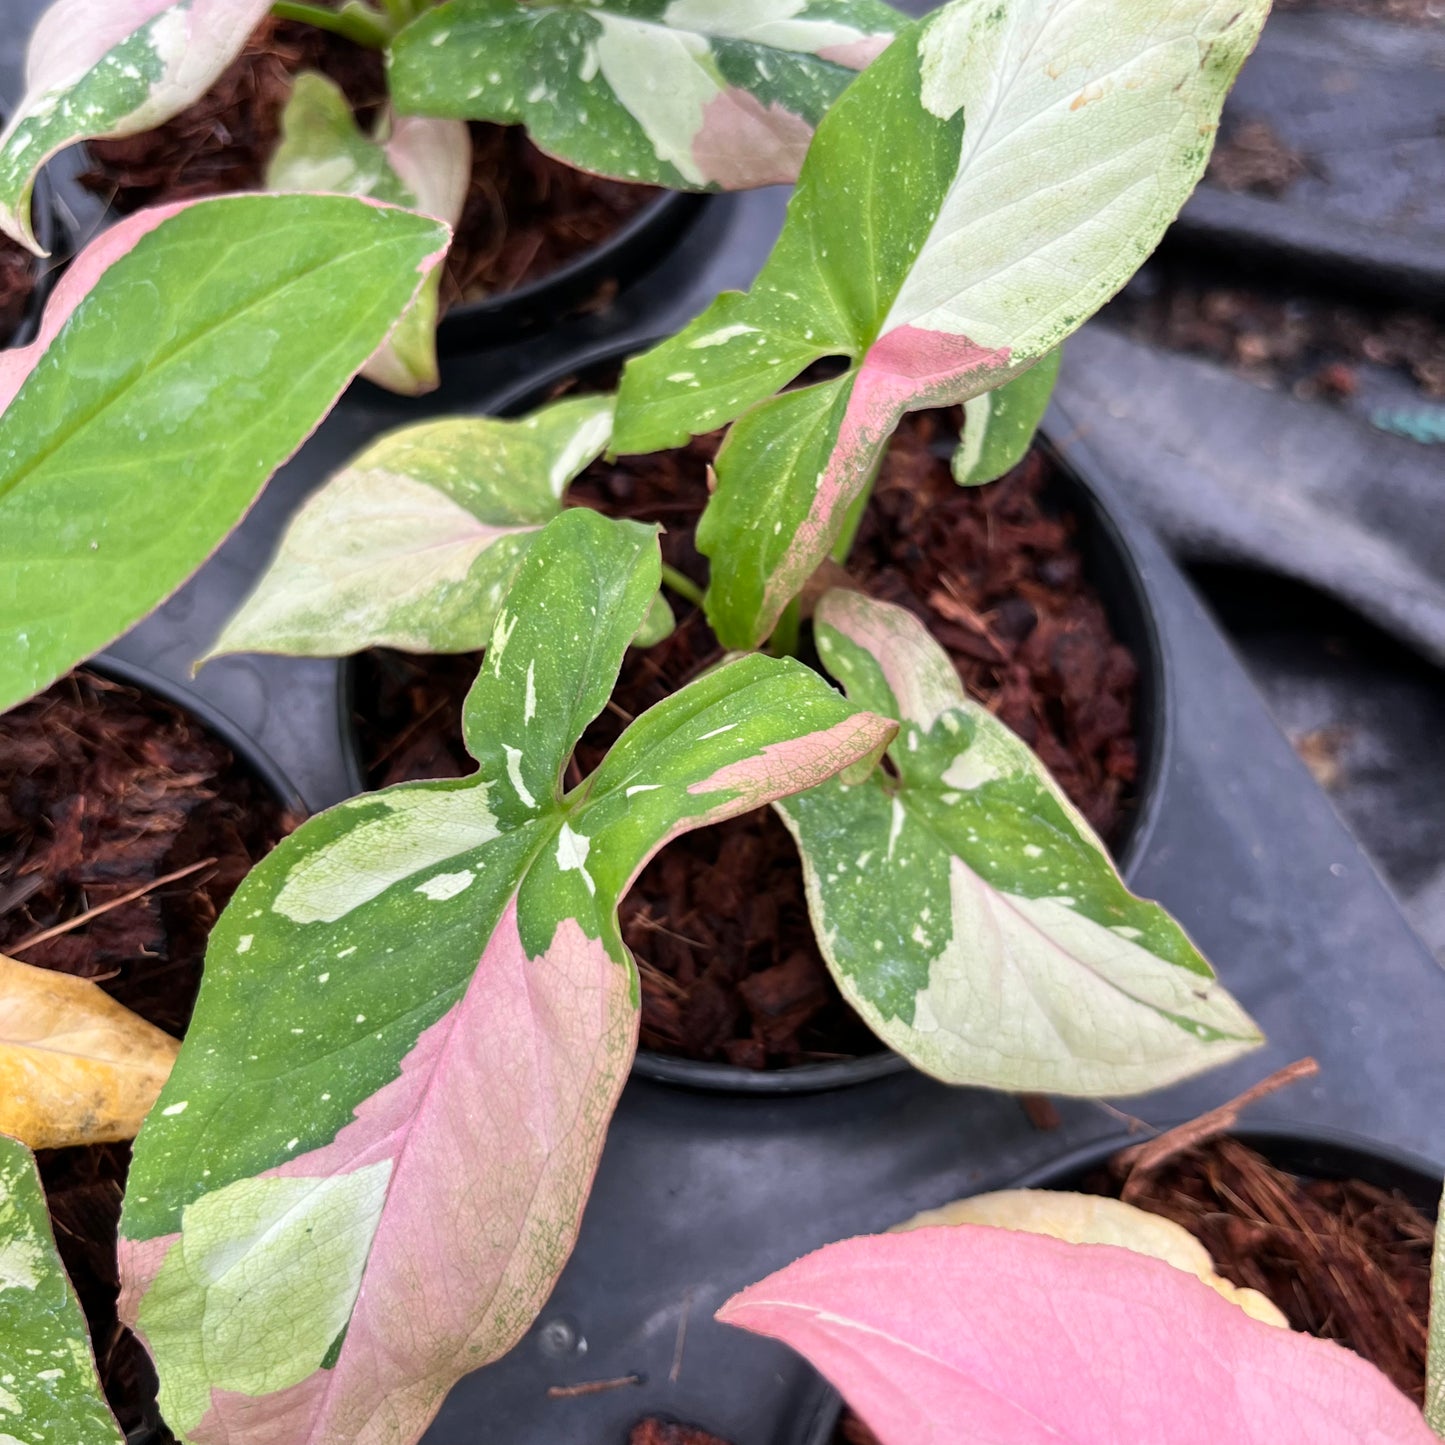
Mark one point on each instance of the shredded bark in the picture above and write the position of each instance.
(718, 921)
(104, 791)
(17, 284)
(1252, 158)
(1343, 1260)
(669, 1432)
(525, 216)
(1309, 345)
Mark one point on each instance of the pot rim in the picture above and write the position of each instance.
(246, 749)
(1130, 607)
(652, 231)
(1360, 1158)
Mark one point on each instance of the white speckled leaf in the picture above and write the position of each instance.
(691, 94)
(111, 68)
(980, 191)
(413, 543)
(416, 1017)
(971, 915)
(424, 165)
(49, 1393)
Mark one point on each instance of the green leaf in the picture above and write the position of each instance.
(49, 1392)
(111, 68)
(967, 910)
(979, 192)
(414, 542)
(999, 426)
(690, 94)
(417, 1015)
(423, 165)
(185, 355)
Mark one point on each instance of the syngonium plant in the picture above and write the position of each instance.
(1029, 1317)
(690, 94)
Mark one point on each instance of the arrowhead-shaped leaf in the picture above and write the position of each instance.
(1004, 1338)
(183, 357)
(111, 68)
(970, 914)
(75, 1066)
(423, 165)
(690, 94)
(49, 1392)
(999, 425)
(413, 543)
(1097, 1219)
(417, 1013)
(990, 181)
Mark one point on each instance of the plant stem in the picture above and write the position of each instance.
(355, 22)
(685, 587)
(784, 641)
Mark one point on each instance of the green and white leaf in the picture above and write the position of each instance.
(49, 1391)
(983, 188)
(967, 910)
(371, 1158)
(415, 541)
(185, 354)
(1435, 1358)
(423, 165)
(111, 68)
(689, 94)
(999, 427)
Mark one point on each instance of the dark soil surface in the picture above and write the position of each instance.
(17, 281)
(718, 920)
(1309, 344)
(668, 1432)
(104, 790)
(526, 214)
(1342, 1260)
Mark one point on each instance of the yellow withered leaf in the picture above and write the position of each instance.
(76, 1067)
(1094, 1219)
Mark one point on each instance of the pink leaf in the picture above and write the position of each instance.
(995, 1337)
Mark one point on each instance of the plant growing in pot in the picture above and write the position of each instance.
(181, 99)
(940, 1322)
(370, 1160)
(964, 907)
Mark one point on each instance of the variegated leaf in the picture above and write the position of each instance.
(1097, 1219)
(998, 1337)
(424, 165)
(1435, 1361)
(990, 181)
(370, 1161)
(970, 914)
(186, 353)
(690, 94)
(111, 68)
(413, 543)
(999, 426)
(49, 1393)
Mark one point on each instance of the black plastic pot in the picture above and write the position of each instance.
(247, 752)
(1365, 96)
(1311, 1154)
(1113, 569)
(635, 248)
